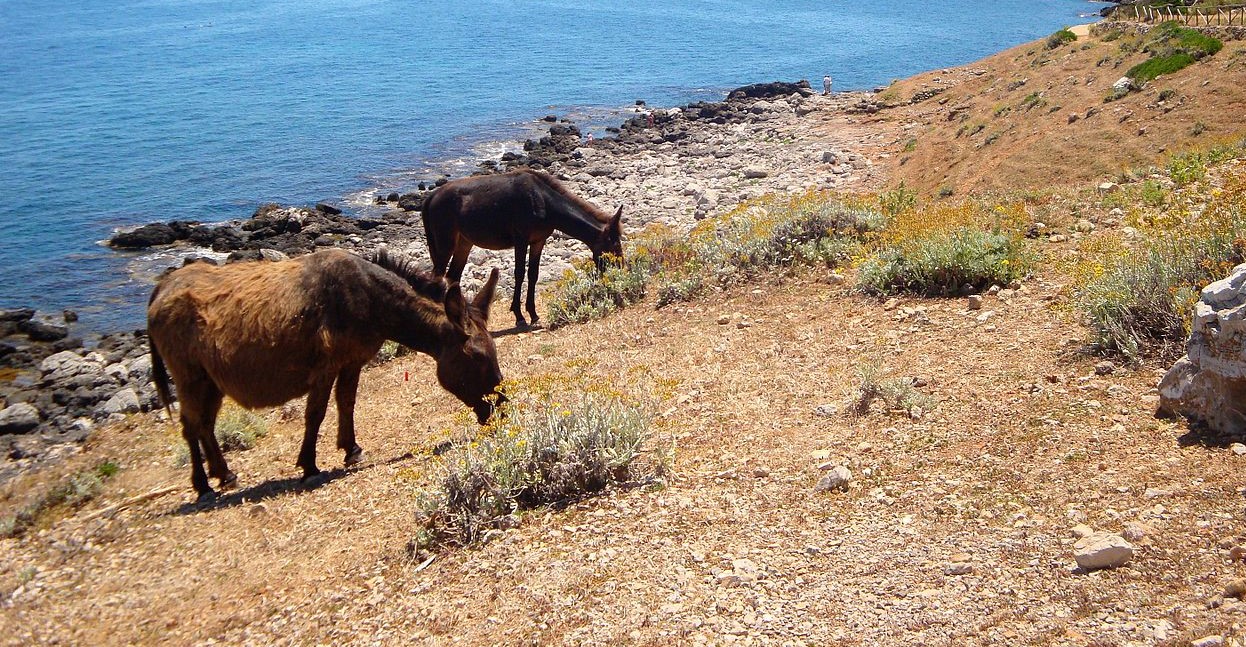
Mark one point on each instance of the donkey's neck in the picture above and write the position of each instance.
(414, 321)
(573, 220)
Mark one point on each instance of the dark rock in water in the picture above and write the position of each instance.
(17, 314)
(550, 118)
(328, 209)
(70, 316)
(145, 236)
(38, 330)
(392, 197)
(440, 181)
(411, 201)
(640, 102)
(773, 89)
(18, 419)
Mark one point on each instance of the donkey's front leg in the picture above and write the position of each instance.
(347, 387)
(534, 269)
(317, 403)
(521, 254)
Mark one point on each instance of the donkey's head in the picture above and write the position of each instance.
(467, 365)
(610, 241)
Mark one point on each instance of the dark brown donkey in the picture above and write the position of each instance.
(518, 209)
(265, 333)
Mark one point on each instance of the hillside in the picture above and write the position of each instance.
(956, 528)
(1035, 116)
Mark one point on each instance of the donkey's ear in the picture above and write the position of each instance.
(484, 298)
(456, 307)
(617, 221)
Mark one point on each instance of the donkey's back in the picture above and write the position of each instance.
(258, 330)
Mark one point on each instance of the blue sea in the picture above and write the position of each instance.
(119, 113)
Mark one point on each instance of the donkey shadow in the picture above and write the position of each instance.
(276, 487)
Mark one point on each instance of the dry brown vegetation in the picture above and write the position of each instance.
(1021, 435)
(1004, 122)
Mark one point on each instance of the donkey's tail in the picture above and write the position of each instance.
(435, 251)
(160, 377)
(159, 373)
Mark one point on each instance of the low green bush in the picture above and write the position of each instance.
(538, 454)
(587, 294)
(942, 262)
(1059, 38)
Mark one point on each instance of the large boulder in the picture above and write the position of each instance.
(18, 419)
(1209, 383)
(773, 89)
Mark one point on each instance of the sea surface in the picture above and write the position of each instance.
(119, 113)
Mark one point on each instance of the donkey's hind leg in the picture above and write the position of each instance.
(197, 424)
(317, 404)
(534, 270)
(521, 254)
(217, 467)
(347, 387)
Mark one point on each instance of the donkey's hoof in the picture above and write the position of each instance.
(312, 481)
(354, 456)
(229, 481)
(206, 497)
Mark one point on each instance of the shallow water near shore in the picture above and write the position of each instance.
(136, 111)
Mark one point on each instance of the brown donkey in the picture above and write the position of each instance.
(518, 209)
(265, 333)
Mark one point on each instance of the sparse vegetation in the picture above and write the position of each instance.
(75, 490)
(586, 294)
(1137, 301)
(939, 250)
(896, 394)
(759, 237)
(542, 452)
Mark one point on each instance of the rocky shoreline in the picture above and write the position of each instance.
(671, 166)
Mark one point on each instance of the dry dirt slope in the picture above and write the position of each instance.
(1026, 442)
(1033, 117)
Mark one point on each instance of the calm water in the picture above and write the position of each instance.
(131, 111)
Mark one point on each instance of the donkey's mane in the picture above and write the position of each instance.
(556, 186)
(424, 283)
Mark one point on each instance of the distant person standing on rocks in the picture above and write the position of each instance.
(826, 85)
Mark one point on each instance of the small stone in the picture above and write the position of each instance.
(1102, 550)
(1107, 187)
(975, 302)
(753, 173)
(724, 320)
(761, 472)
(1238, 449)
(891, 304)
(836, 480)
(1208, 641)
(1104, 368)
(1082, 530)
(259, 509)
(826, 410)
(1236, 589)
(1135, 532)
(958, 568)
